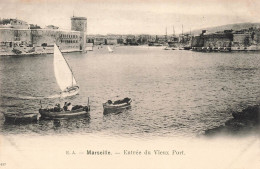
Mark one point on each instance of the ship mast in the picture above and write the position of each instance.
(166, 34)
(181, 29)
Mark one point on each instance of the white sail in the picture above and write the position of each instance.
(63, 73)
(109, 49)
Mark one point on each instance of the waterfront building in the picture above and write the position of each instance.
(143, 39)
(184, 38)
(130, 40)
(100, 40)
(120, 40)
(111, 41)
(51, 27)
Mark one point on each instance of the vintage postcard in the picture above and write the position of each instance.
(129, 84)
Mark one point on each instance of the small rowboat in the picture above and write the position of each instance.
(117, 105)
(20, 117)
(52, 114)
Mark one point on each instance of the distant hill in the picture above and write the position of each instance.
(237, 26)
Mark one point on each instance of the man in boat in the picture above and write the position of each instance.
(69, 106)
(65, 107)
(57, 108)
(109, 102)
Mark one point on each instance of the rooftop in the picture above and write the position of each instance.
(78, 18)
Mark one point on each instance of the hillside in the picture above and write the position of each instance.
(237, 26)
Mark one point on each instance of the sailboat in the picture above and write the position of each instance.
(110, 49)
(64, 75)
(67, 83)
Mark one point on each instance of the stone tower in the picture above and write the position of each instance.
(80, 24)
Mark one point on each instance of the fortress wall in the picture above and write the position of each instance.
(257, 37)
(23, 35)
(240, 38)
(6, 35)
(41, 36)
(218, 40)
(197, 41)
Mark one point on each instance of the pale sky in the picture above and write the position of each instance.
(133, 16)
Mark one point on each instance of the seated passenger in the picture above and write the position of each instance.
(57, 108)
(65, 107)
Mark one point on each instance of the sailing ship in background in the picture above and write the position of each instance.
(110, 50)
(64, 75)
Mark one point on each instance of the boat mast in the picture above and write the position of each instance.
(166, 34)
(71, 78)
(182, 33)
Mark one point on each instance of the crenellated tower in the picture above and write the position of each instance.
(80, 24)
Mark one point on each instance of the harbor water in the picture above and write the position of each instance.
(174, 92)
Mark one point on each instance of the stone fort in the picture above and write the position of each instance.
(16, 37)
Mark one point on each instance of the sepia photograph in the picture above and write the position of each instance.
(129, 84)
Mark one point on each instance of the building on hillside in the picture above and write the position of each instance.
(51, 27)
(32, 26)
(13, 23)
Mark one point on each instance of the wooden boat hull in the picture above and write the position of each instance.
(21, 118)
(47, 114)
(71, 92)
(115, 108)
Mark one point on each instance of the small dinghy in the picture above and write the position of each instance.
(57, 112)
(168, 48)
(117, 105)
(20, 117)
(110, 50)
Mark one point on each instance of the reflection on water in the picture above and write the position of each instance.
(174, 93)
